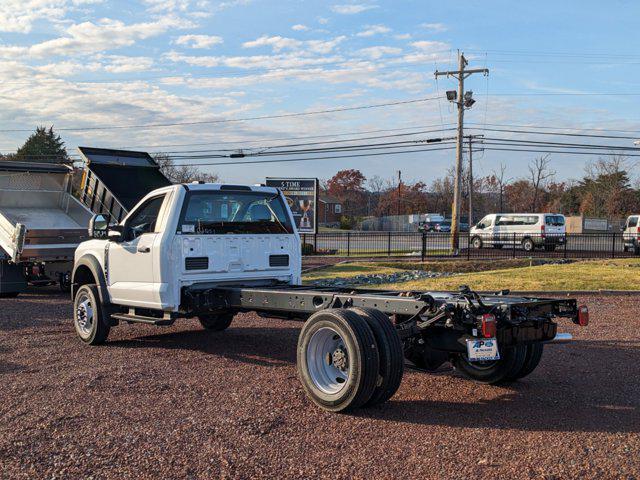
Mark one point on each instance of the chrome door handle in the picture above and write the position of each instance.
(144, 249)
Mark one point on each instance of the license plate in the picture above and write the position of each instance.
(482, 350)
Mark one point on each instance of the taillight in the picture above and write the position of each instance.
(583, 316)
(489, 325)
(542, 231)
(638, 231)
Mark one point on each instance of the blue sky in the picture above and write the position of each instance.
(93, 63)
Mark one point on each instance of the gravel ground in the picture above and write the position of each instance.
(180, 402)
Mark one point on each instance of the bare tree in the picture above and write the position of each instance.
(183, 173)
(501, 183)
(539, 174)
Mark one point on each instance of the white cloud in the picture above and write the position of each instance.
(371, 30)
(198, 41)
(277, 43)
(435, 27)
(325, 46)
(19, 15)
(402, 36)
(323, 20)
(271, 62)
(378, 51)
(431, 46)
(300, 28)
(89, 37)
(352, 8)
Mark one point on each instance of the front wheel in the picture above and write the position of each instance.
(216, 322)
(476, 242)
(89, 316)
(493, 372)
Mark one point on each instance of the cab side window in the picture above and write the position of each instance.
(633, 222)
(144, 219)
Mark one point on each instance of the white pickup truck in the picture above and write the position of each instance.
(210, 251)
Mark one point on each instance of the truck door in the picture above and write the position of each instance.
(131, 262)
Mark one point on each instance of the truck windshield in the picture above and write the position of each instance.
(223, 212)
(555, 220)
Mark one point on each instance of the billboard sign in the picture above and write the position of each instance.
(302, 197)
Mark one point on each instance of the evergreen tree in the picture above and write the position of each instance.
(43, 146)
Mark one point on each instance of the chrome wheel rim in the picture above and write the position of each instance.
(328, 361)
(84, 316)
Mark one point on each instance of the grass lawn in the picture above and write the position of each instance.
(620, 274)
(347, 270)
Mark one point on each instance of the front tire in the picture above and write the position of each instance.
(494, 372)
(89, 316)
(476, 242)
(216, 322)
(337, 360)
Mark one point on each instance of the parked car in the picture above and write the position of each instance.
(528, 230)
(428, 226)
(631, 234)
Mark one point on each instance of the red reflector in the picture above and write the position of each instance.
(489, 325)
(583, 315)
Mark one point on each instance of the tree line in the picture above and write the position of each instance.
(604, 190)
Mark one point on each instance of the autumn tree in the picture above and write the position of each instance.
(403, 199)
(348, 187)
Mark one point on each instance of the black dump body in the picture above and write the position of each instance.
(116, 180)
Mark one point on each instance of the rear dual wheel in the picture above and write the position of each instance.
(349, 358)
(515, 362)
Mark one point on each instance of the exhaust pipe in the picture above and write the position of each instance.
(561, 338)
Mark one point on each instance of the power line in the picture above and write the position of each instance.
(326, 142)
(490, 148)
(229, 120)
(310, 159)
(557, 127)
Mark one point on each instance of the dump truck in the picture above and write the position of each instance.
(41, 224)
(115, 180)
(210, 251)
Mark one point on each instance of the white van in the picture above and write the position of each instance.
(631, 234)
(528, 230)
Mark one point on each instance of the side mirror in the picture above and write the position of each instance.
(117, 233)
(99, 225)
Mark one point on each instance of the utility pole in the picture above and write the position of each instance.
(471, 138)
(463, 100)
(470, 216)
(399, 192)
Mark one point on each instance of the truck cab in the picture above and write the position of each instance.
(182, 235)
